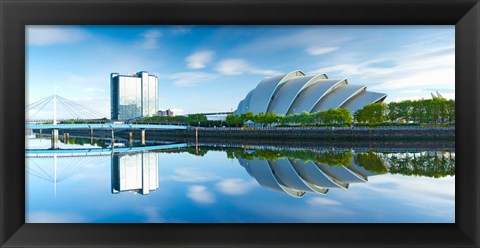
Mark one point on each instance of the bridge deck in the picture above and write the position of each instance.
(101, 126)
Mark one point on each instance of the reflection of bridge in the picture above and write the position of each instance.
(296, 177)
(133, 168)
(105, 151)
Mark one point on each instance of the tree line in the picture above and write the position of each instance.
(429, 111)
(328, 117)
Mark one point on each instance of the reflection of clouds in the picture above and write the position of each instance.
(192, 175)
(153, 215)
(305, 213)
(54, 217)
(235, 186)
(431, 196)
(200, 194)
(319, 201)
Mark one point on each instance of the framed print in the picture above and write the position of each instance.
(239, 124)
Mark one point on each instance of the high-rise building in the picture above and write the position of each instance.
(133, 96)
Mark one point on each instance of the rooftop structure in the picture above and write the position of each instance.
(295, 92)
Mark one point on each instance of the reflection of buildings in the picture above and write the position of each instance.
(296, 177)
(133, 96)
(136, 172)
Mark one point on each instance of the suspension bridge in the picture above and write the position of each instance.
(56, 112)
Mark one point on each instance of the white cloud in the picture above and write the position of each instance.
(190, 79)
(433, 68)
(54, 217)
(49, 35)
(320, 50)
(200, 194)
(199, 60)
(235, 186)
(192, 175)
(150, 39)
(233, 67)
(240, 66)
(296, 40)
(320, 201)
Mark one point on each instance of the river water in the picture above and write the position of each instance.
(237, 184)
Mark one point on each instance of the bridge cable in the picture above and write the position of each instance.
(35, 104)
(68, 109)
(86, 109)
(41, 108)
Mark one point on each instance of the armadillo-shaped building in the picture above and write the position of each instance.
(296, 92)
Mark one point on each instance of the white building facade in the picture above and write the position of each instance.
(133, 96)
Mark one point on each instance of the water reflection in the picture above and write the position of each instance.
(240, 184)
(296, 177)
(292, 171)
(135, 172)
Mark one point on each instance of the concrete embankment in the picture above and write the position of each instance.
(315, 133)
(303, 134)
(400, 138)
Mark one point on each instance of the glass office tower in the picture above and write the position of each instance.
(133, 96)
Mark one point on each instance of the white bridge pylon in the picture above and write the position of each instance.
(61, 109)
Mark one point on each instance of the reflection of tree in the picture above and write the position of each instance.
(82, 141)
(429, 165)
(371, 162)
(325, 157)
(192, 150)
(335, 158)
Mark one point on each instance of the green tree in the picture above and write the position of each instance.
(260, 118)
(197, 118)
(373, 113)
(234, 120)
(270, 118)
(247, 116)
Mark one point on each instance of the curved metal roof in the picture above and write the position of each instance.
(240, 107)
(311, 173)
(263, 173)
(285, 172)
(364, 98)
(309, 97)
(266, 89)
(340, 173)
(294, 93)
(285, 96)
(338, 96)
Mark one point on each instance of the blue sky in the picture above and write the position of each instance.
(212, 68)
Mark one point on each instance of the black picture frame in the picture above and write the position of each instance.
(15, 14)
